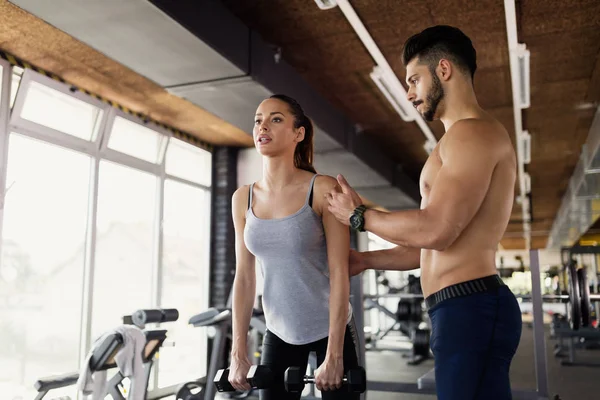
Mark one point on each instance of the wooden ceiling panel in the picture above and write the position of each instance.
(563, 56)
(493, 87)
(557, 16)
(562, 93)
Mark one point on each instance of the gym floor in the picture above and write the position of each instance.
(571, 383)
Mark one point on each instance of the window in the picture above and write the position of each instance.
(41, 273)
(124, 245)
(188, 162)
(46, 224)
(17, 72)
(185, 274)
(136, 140)
(49, 107)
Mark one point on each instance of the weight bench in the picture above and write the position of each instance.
(419, 338)
(103, 359)
(565, 332)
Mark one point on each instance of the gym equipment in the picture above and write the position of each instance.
(410, 311)
(420, 350)
(578, 297)
(355, 380)
(259, 377)
(190, 391)
(142, 317)
(408, 318)
(221, 381)
(584, 291)
(582, 338)
(574, 296)
(103, 359)
(408, 326)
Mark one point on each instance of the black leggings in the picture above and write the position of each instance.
(279, 355)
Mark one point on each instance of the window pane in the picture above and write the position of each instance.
(124, 250)
(17, 72)
(59, 111)
(136, 140)
(188, 162)
(185, 280)
(41, 273)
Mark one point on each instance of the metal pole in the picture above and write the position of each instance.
(357, 303)
(595, 281)
(539, 341)
(5, 84)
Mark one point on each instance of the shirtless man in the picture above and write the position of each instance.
(467, 189)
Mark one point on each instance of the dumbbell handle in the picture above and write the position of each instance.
(311, 379)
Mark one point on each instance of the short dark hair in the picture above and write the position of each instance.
(441, 41)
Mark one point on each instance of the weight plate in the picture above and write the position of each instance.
(574, 296)
(190, 391)
(584, 292)
(420, 342)
(404, 310)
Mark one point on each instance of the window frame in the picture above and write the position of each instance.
(46, 133)
(4, 134)
(124, 158)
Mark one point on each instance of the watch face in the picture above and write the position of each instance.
(354, 221)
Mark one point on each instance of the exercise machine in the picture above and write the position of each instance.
(408, 319)
(103, 359)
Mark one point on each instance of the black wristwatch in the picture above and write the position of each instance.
(357, 218)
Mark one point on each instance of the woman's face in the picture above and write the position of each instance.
(274, 131)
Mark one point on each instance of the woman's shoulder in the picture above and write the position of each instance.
(241, 193)
(240, 198)
(324, 183)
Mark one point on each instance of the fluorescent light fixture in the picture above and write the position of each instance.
(429, 146)
(527, 179)
(380, 80)
(326, 4)
(525, 143)
(523, 62)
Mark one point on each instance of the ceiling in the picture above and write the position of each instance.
(562, 36)
(119, 68)
(217, 55)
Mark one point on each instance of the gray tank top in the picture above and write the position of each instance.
(292, 253)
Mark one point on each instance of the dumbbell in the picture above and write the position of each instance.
(355, 380)
(259, 377)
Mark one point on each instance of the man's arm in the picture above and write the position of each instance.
(456, 195)
(399, 258)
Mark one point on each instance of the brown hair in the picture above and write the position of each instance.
(303, 155)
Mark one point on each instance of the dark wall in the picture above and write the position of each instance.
(222, 245)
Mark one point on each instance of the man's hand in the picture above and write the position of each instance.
(342, 204)
(356, 263)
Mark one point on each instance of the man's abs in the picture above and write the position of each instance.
(442, 269)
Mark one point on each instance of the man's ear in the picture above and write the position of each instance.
(444, 70)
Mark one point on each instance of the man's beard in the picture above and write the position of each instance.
(433, 98)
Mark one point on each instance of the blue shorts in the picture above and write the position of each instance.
(475, 331)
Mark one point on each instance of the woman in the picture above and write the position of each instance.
(282, 221)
